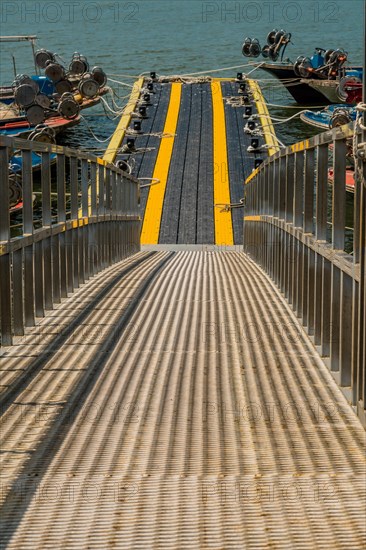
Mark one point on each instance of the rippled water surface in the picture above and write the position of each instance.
(128, 38)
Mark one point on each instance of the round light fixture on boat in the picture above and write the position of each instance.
(43, 100)
(54, 71)
(63, 86)
(99, 76)
(68, 107)
(42, 56)
(88, 88)
(35, 115)
(25, 95)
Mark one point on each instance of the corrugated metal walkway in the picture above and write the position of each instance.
(174, 402)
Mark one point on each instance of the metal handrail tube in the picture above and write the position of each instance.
(97, 224)
(295, 229)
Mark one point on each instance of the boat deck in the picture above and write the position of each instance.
(200, 165)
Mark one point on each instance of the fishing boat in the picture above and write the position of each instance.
(303, 78)
(350, 179)
(16, 162)
(330, 117)
(24, 128)
(348, 89)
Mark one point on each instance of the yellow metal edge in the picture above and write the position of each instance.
(264, 116)
(252, 218)
(119, 133)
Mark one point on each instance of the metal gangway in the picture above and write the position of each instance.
(182, 397)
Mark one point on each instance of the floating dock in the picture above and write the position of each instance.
(192, 144)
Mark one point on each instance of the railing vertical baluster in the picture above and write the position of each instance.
(311, 293)
(61, 218)
(93, 189)
(345, 332)
(318, 292)
(299, 189)
(114, 243)
(339, 194)
(322, 193)
(38, 279)
(74, 188)
(83, 238)
(6, 312)
(290, 249)
(335, 313)
(84, 188)
(326, 308)
(46, 223)
(92, 248)
(305, 285)
(290, 183)
(28, 229)
(18, 293)
(308, 221)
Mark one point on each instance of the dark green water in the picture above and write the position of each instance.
(175, 37)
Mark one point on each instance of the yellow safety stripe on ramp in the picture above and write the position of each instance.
(154, 207)
(119, 134)
(223, 220)
(264, 116)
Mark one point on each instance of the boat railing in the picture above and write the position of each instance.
(85, 218)
(295, 227)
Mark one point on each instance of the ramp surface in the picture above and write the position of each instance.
(193, 146)
(174, 402)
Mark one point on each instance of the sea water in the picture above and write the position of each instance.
(127, 38)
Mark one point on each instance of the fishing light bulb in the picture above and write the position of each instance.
(258, 162)
(137, 125)
(248, 111)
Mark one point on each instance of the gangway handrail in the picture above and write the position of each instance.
(52, 255)
(295, 228)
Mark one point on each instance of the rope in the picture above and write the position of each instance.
(228, 207)
(154, 181)
(93, 134)
(121, 83)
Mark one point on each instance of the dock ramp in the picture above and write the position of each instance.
(182, 393)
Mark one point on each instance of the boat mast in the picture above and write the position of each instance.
(23, 38)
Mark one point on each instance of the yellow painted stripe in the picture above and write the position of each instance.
(118, 135)
(223, 220)
(252, 218)
(154, 207)
(268, 129)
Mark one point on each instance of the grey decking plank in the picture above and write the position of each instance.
(171, 208)
(188, 206)
(205, 194)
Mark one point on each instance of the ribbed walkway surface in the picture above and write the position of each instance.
(174, 402)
